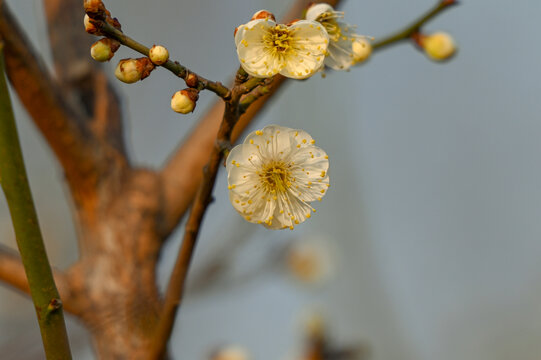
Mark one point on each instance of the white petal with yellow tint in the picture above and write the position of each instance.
(274, 175)
(252, 50)
(309, 45)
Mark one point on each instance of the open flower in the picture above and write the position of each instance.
(340, 54)
(275, 174)
(266, 48)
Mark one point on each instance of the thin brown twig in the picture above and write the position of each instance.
(411, 29)
(174, 66)
(175, 288)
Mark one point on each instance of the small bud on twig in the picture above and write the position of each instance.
(104, 49)
(95, 9)
(146, 66)
(263, 14)
(89, 27)
(192, 80)
(127, 71)
(439, 46)
(361, 49)
(133, 70)
(184, 101)
(158, 54)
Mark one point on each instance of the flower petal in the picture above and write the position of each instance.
(316, 10)
(253, 54)
(309, 43)
(273, 141)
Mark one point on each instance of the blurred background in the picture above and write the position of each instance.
(433, 218)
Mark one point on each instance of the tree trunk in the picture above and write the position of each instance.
(114, 284)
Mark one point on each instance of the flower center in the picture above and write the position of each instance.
(275, 177)
(278, 39)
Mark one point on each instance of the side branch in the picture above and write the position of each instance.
(59, 121)
(175, 288)
(174, 66)
(410, 30)
(12, 273)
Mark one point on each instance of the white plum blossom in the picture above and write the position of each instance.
(340, 53)
(266, 48)
(275, 174)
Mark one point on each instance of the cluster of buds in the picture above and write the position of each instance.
(95, 11)
(104, 49)
(184, 101)
(133, 70)
(438, 46)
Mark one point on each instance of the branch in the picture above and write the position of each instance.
(60, 122)
(28, 234)
(12, 273)
(174, 66)
(175, 288)
(410, 30)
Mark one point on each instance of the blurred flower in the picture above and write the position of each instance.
(310, 259)
(231, 353)
(340, 53)
(362, 49)
(438, 46)
(266, 48)
(275, 174)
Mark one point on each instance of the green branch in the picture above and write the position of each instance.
(29, 240)
(406, 33)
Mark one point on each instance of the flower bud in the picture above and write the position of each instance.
(438, 46)
(263, 14)
(104, 49)
(89, 27)
(146, 66)
(128, 71)
(315, 10)
(95, 8)
(192, 80)
(158, 54)
(184, 101)
(362, 49)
